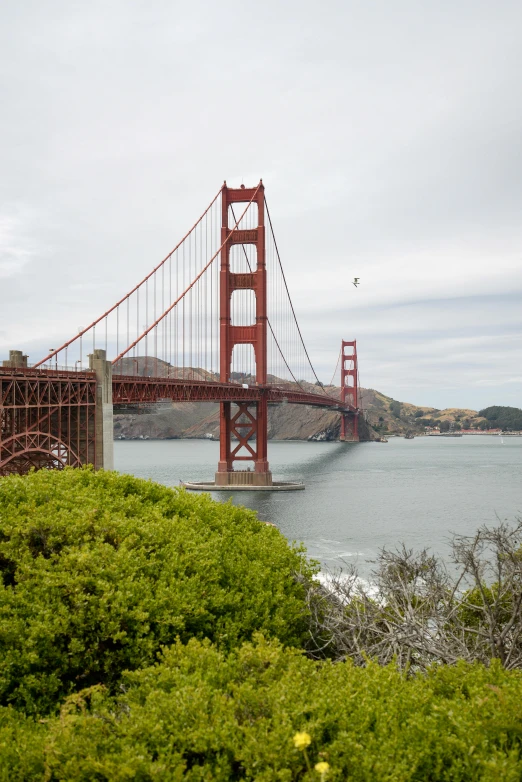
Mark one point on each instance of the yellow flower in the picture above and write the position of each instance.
(302, 740)
(322, 768)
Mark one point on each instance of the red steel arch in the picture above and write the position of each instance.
(47, 419)
(38, 450)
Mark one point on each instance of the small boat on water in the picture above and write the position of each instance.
(409, 436)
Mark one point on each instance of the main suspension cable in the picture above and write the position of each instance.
(335, 370)
(290, 300)
(136, 287)
(189, 287)
(268, 319)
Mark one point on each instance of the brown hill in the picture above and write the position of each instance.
(388, 416)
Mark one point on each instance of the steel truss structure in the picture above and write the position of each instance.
(47, 419)
(127, 390)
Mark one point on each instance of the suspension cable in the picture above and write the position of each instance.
(189, 287)
(268, 319)
(290, 300)
(335, 370)
(126, 297)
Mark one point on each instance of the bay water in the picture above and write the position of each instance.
(360, 497)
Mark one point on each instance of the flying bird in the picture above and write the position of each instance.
(356, 281)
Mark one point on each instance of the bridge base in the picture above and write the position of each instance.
(243, 478)
(212, 486)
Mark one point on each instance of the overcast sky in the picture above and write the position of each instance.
(388, 135)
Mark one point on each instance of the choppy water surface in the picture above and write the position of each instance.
(359, 498)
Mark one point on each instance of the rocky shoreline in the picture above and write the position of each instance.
(201, 421)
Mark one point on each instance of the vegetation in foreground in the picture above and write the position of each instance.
(101, 570)
(149, 634)
(419, 611)
(200, 713)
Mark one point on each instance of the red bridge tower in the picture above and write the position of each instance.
(349, 391)
(245, 421)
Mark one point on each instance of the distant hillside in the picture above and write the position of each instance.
(201, 420)
(382, 414)
(506, 418)
(386, 415)
(389, 416)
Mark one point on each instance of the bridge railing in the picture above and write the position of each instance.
(59, 367)
(45, 371)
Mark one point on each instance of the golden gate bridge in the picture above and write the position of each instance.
(214, 321)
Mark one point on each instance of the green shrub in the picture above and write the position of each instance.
(22, 743)
(201, 714)
(100, 570)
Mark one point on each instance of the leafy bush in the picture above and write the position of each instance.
(202, 714)
(100, 570)
(21, 747)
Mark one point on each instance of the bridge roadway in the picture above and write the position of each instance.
(56, 417)
(128, 390)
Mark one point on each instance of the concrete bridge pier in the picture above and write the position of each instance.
(349, 429)
(16, 360)
(104, 450)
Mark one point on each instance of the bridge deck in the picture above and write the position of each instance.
(128, 390)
